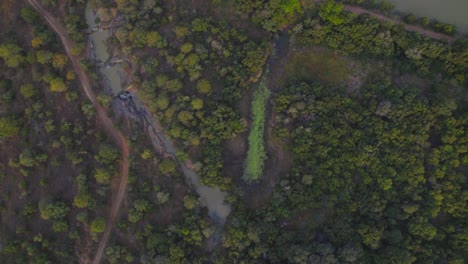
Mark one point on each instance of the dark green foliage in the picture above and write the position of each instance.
(366, 35)
(271, 15)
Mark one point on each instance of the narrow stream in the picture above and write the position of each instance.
(212, 198)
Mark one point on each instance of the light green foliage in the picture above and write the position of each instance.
(185, 117)
(28, 90)
(422, 228)
(154, 39)
(98, 225)
(57, 85)
(256, 153)
(168, 166)
(82, 200)
(141, 205)
(11, 53)
(29, 159)
(88, 110)
(190, 201)
(162, 101)
(332, 13)
(186, 48)
(147, 154)
(197, 104)
(60, 226)
(174, 85)
(370, 236)
(102, 176)
(200, 25)
(55, 210)
(221, 124)
(104, 100)
(8, 127)
(204, 86)
(59, 61)
(181, 31)
(107, 155)
(44, 56)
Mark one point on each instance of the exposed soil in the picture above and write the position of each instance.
(105, 121)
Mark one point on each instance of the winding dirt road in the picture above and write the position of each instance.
(415, 28)
(105, 121)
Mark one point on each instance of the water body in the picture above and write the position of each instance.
(99, 39)
(448, 11)
(212, 198)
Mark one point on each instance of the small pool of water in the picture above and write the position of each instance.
(100, 50)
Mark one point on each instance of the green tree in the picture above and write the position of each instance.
(11, 53)
(168, 166)
(421, 227)
(8, 127)
(371, 236)
(44, 56)
(162, 101)
(147, 154)
(27, 90)
(55, 210)
(102, 176)
(29, 15)
(98, 225)
(154, 39)
(185, 117)
(82, 200)
(204, 86)
(173, 85)
(332, 13)
(57, 85)
(107, 155)
(190, 201)
(197, 104)
(59, 61)
(186, 48)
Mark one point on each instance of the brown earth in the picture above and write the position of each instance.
(105, 121)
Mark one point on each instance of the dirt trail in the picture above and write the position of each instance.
(419, 29)
(105, 121)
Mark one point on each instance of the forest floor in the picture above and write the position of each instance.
(105, 121)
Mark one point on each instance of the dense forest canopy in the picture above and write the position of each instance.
(329, 136)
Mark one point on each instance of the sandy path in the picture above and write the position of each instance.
(419, 29)
(105, 121)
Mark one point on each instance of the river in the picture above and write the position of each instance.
(448, 11)
(212, 198)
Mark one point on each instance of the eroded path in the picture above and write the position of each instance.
(104, 120)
